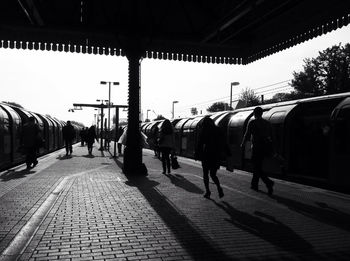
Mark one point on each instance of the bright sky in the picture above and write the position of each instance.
(50, 82)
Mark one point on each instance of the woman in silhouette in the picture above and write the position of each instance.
(166, 144)
(209, 149)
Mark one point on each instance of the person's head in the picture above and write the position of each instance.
(68, 123)
(207, 124)
(167, 127)
(258, 112)
(31, 119)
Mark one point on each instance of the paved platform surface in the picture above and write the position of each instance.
(84, 208)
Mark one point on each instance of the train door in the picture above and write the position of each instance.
(340, 145)
(222, 122)
(310, 139)
(15, 130)
(5, 139)
(277, 117)
(40, 123)
(236, 128)
(178, 136)
(186, 138)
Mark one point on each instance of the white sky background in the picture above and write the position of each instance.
(50, 82)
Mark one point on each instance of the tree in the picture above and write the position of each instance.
(328, 73)
(194, 111)
(294, 95)
(159, 117)
(249, 97)
(218, 106)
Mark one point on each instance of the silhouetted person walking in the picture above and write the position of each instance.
(166, 144)
(68, 136)
(90, 138)
(209, 150)
(259, 130)
(82, 134)
(29, 138)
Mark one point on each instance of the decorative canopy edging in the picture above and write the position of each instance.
(308, 35)
(109, 45)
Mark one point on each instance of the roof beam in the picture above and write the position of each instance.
(235, 15)
(31, 11)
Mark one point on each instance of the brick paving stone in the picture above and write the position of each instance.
(103, 215)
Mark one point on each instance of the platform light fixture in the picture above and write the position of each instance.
(173, 108)
(109, 102)
(232, 84)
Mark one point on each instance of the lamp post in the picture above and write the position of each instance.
(109, 103)
(101, 130)
(173, 108)
(232, 84)
(147, 113)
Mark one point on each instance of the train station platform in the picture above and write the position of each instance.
(84, 208)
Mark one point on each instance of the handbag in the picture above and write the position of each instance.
(174, 163)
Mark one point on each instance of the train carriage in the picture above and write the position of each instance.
(311, 138)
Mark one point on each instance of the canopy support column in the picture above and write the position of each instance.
(133, 152)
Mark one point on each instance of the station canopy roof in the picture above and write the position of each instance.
(212, 31)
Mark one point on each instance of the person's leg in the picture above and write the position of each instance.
(206, 180)
(167, 158)
(257, 160)
(216, 181)
(162, 151)
(28, 158)
(70, 146)
(34, 157)
(268, 182)
(66, 146)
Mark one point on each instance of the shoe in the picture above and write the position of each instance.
(270, 189)
(207, 195)
(221, 193)
(256, 188)
(35, 163)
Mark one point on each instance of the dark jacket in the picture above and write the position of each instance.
(68, 132)
(91, 135)
(30, 135)
(260, 132)
(211, 147)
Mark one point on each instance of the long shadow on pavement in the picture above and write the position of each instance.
(196, 244)
(322, 212)
(12, 174)
(268, 228)
(181, 182)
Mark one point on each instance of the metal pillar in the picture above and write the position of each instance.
(133, 152)
(116, 131)
(101, 131)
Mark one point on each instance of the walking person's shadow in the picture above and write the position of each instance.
(268, 228)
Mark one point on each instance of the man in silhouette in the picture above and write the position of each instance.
(29, 137)
(259, 130)
(68, 136)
